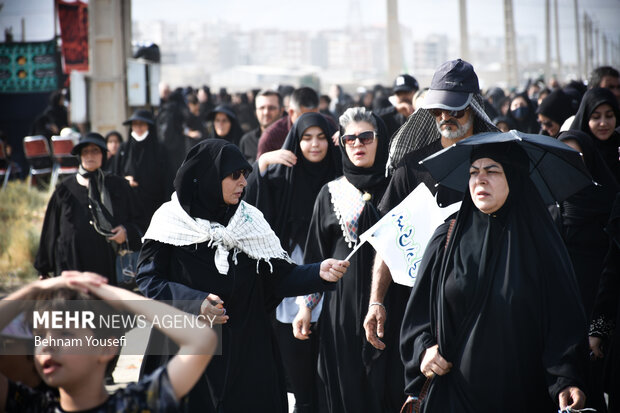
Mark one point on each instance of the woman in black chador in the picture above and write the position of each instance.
(286, 197)
(89, 217)
(143, 162)
(495, 320)
(605, 326)
(208, 247)
(356, 377)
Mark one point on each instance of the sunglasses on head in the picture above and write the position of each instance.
(458, 114)
(365, 138)
(237, 174)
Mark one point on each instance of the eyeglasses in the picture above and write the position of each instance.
(458, 114)
(365, 138)
(237, 174)
(546, 124)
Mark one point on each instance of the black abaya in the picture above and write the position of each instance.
(356, 376)
(514, 328)
(69, 241)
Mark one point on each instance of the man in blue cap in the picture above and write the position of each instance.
(452, 111)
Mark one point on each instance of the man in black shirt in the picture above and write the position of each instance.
(455, 104)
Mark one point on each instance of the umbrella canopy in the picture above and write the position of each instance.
(556, 169)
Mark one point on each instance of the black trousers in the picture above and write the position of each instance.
(300, 365)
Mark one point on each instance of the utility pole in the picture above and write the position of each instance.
(511, 49)
(597, 47)
(394, 49)
(604, 58)
(463, 30)
(586, 44)
(547, 40)
(580, 70)
(557, 40)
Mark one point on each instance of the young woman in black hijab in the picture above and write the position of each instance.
(599, 116)
(224, 124)
(215, 255)
(355, 376)
(89, 217)
(286, 196)
(142, 161)
(495, 320)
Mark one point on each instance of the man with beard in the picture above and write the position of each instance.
(268, 110)
(453, 110)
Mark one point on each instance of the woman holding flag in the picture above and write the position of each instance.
(354, 374)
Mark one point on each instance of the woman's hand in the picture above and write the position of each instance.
(120, 234)
(433, 363)
(332, 269)
(595, 346)
(280, 156)
(213, 308)
(301, 323)
(572, 397)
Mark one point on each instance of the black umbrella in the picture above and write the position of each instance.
(556, 169)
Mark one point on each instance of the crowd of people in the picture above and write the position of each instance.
(243, 208)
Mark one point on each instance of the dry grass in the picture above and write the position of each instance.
(21, 217)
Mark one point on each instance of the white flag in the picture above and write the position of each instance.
(401, 236)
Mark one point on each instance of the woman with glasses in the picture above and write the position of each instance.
(285, 195)
(599, 116)
(356, 377)
(212, 254)
(89, 218)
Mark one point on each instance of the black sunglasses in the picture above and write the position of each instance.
(365, 138)
(458, 114)
(237, 174)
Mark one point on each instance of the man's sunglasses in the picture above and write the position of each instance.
(237, 174)
(365, 138)
(458, 114)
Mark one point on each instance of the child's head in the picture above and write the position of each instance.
(66, 356)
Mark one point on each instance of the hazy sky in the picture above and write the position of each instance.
(422, 16)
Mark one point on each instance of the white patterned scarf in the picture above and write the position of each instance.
(247, 231)
(348, 204)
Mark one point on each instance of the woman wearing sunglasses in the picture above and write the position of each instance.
(356, 376)
(285, 195)
(215, 255)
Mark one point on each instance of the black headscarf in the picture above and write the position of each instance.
(508, 271)
(528, 123)
(366, 178)
(285, 194)
(594, 98)
(557, 106)
(235, 133)
(198, 182)
(594, 200)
